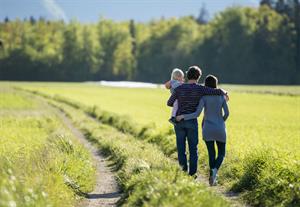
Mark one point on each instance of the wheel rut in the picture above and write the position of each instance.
(106, 192)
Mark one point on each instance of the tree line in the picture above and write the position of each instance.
(239, 45)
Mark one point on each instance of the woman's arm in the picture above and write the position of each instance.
(195, 114)
(225, 109)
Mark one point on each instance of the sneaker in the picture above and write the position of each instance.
(214, 176)
(215, 181)
(173, 121)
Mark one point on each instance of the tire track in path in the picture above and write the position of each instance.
(106, 192)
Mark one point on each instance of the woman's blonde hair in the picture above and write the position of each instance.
(176, 74)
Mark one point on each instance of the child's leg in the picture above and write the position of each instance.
(175, 108)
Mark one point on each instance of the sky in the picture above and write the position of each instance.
(89, 11)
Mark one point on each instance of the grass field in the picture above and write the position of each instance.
(146, 175)
(262, 161)
(265, 89)
(256, 119)
(41, 164)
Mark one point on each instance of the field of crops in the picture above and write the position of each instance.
(262, 161)
(41, 164)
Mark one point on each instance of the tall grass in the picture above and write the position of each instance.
(41, 163)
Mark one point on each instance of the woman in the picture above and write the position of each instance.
(213, 127)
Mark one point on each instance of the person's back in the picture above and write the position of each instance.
(188, 96)
(214, 125)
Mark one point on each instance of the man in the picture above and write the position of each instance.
(188, 96)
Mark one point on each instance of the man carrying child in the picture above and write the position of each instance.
(188, 96)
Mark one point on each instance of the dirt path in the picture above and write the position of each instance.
(219, 189)
(106, 192)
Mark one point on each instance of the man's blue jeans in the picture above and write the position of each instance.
(187, 130)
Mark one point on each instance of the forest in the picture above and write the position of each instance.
(240, 45)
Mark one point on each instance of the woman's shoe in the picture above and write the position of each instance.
(211, 180)
(214, 176)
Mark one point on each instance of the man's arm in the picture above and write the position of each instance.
(172, 99)
(196, 113)
(212, 91)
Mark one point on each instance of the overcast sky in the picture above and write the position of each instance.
(92, 10)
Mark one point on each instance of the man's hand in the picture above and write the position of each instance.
(225, 94)
(179, 118)
(226, 97)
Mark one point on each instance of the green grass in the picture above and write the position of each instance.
(41, 163)
(133, 102)
(256, 119)
(262, 158)
(11, 100)
(265, 89)
(146, 175)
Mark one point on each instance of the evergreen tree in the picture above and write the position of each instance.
(203, 15)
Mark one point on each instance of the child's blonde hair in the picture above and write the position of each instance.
(177, 74)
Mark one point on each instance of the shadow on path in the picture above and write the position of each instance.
(104, 195)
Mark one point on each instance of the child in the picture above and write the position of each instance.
(177, 78)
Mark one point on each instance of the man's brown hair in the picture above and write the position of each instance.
(194, 73)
